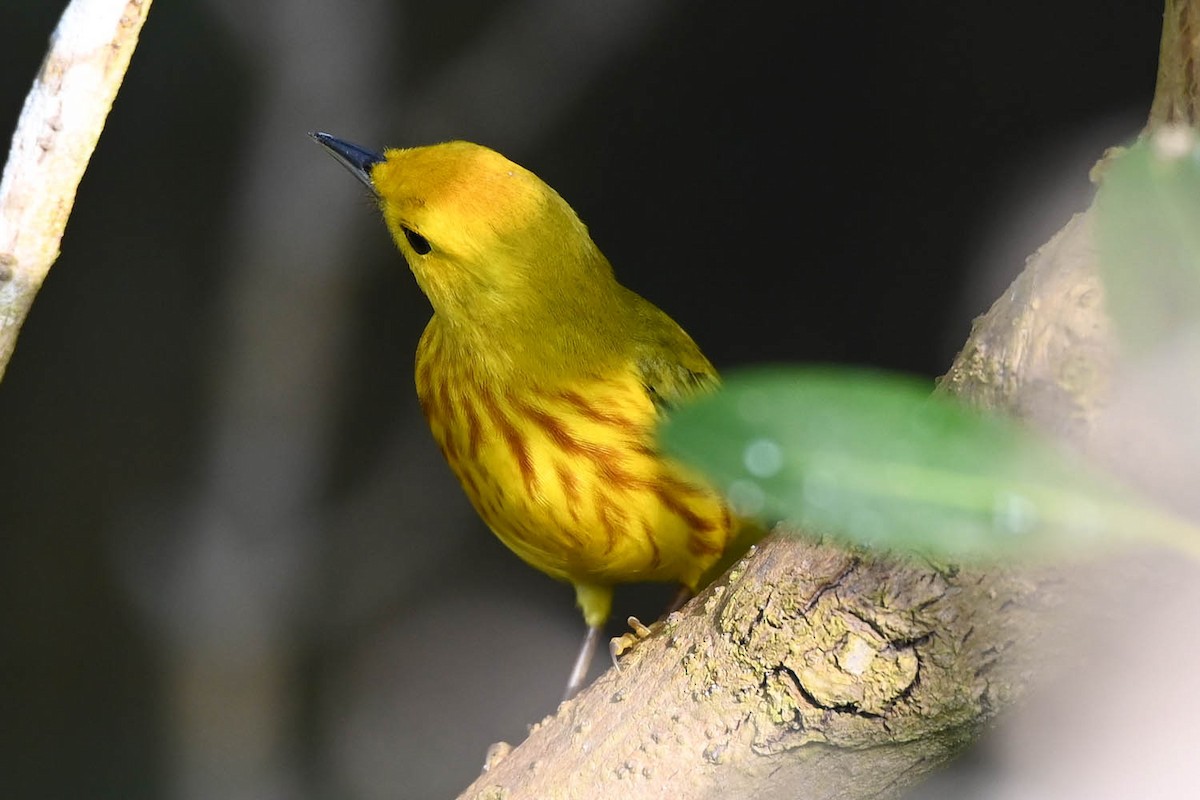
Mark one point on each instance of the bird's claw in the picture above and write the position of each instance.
(620, 645)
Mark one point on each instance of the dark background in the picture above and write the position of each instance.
(232, 563)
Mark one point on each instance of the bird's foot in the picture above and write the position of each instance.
(620, 645)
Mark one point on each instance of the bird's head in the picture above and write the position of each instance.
(485, 237)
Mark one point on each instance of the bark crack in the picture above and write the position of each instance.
(831, 585)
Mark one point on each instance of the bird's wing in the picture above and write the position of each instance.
(670, 366)
(668, 381)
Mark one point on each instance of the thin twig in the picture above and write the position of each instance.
(56, 134)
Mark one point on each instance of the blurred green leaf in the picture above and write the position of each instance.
(1148, 235)
(877, 459)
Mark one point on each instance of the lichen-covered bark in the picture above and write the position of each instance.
(808, 671)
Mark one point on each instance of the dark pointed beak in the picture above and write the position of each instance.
(358, 160)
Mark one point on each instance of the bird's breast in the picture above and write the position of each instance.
(567, 473)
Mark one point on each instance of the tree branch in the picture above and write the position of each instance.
(812, 672)
(57, 131)
(805, 666)
(1177, 93)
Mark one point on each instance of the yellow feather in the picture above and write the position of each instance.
(542, 377)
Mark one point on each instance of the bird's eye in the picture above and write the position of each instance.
(417, 242)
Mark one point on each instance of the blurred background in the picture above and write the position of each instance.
(232, 562)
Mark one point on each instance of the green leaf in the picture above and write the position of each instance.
(878, 460)
(1148, 235)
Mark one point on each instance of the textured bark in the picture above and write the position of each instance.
(809, 671)
(1044, 350)
(1177, 94)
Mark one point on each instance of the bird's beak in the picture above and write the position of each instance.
(358, 160)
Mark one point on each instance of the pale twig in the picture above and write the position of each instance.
(56, 134)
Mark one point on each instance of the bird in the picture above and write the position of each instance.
(542, 378)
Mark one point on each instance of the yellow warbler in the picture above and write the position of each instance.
(542, 377)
